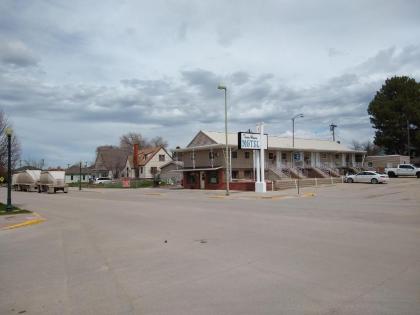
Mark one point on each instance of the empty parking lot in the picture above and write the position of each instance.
(348, 249)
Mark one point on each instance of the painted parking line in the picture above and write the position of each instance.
(309, 194)
(217, 197)
(38, 219)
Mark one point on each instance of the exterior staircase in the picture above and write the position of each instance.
(297, 172)
(330, 171)
(277, 172)
(320, 172)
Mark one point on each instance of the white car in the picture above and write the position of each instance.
(367, 177)
(103, 180)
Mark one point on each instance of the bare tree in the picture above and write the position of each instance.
(3, 144)
(129, 139)
(158, 142)
(368, 146)
(356, 145)
(34, 163)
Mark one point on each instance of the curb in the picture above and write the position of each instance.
(309, 194)
(39, 219)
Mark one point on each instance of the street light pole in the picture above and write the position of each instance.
(293, 136)
(9, 169)
(227, 175)
(293, 146)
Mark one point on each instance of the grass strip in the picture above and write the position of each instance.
(15, 210)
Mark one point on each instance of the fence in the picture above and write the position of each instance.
(307, 182)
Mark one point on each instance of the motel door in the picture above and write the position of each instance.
(202, 180)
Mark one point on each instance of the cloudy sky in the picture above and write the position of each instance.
(78, 74)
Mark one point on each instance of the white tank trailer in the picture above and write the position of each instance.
(26, 180)
(52, 181)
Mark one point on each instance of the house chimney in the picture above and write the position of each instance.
(136, 159)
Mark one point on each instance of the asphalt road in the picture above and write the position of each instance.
(351, 249)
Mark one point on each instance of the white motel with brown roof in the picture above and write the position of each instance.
(204, 160)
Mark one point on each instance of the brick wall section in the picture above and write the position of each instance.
(221, 185)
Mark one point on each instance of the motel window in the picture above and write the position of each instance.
(337, 156)
(161, 157)
(247, 155)
(248, 174)
(284, 156)
(235, 174)
(271, 156)
(153, 170)
(324, 155)
(211, 155)
(213, 178)
(71, 177)
(234, 154)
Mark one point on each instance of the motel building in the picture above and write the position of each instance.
(205, 163)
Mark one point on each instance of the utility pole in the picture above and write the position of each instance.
(227, 169)
(332, 128)
(80, 175)
(9, 206)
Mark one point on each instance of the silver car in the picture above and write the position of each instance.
(103, 180)
(367, 177)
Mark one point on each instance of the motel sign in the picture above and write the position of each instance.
(251, 141)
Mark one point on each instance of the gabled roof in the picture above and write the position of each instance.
(75, 170)
(108, 158)
(178, 163)
(145, 155)
(213, 139)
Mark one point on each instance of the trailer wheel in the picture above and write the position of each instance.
(418, 174)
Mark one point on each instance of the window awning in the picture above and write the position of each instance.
(197, 169)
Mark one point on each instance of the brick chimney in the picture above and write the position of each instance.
(136, 159)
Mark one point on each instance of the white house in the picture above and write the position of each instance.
(149, 162)
(73, 174)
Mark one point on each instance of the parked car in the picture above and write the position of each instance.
(367, 177)
(103, 180)
(403, 170)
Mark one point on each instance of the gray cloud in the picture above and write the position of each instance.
(393, 60)
(81, 80)
(16, 53)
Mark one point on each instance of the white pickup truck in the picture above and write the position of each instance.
(403, 170)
